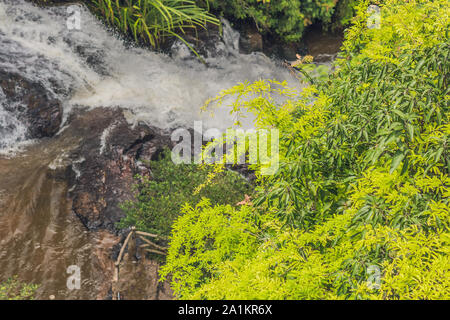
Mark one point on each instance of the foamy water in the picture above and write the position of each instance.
(91, 67)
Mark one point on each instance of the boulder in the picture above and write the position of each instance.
(32, 104)
(250, 40)
(110, 155)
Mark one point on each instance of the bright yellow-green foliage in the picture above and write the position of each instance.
(405, 25)
(223, 233)
(359, 208)
(13, 289)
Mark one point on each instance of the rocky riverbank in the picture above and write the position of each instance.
(60, 201)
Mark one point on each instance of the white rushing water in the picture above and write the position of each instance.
(91, 67)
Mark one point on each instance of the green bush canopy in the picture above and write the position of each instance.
(359, 208)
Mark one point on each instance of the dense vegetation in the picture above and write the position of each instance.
(159, 198)
(13, 289)
(359, 208)
(286, 19)
(150, 21)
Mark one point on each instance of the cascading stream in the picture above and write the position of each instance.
(89, 68)
(92, 68)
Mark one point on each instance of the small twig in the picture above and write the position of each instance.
(149, 243)
(156, 251)
(141, 233)
(122, 250)
(295, 71)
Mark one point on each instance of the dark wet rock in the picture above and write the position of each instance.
(66, 193)
(250, 40)
(208, 43)
(286, 51)
(53, 2)
(106, 162)
(324, 58)
(31, 103)
(321, 45)
(141, 281)
(92, 56)
(109, 155)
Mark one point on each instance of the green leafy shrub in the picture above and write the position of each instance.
(150, 21)
(13, 289)
(286, 19)
(159, 198)
(363, 182)
(206, 236)
(344, 13)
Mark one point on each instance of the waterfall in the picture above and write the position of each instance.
(92, 67)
